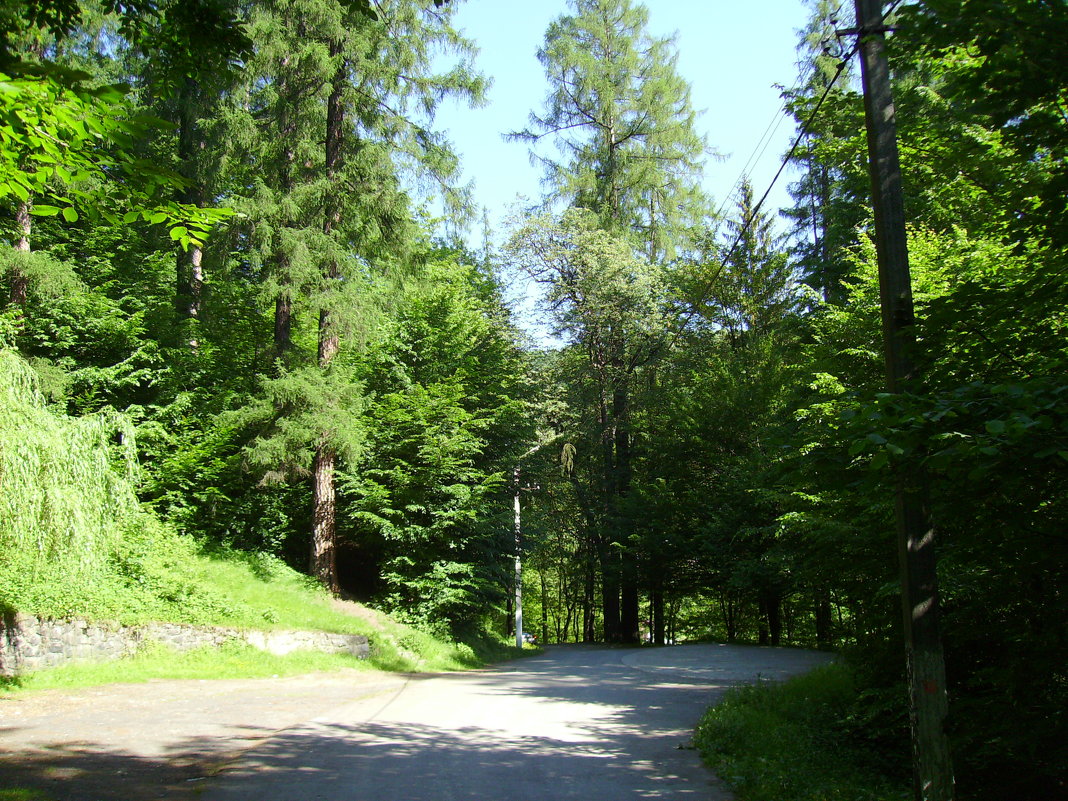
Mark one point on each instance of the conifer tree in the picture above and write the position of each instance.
(621, 118)
(754, 290)
(337, 104)
(828, 195)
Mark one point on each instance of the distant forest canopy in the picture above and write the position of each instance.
(210, 247)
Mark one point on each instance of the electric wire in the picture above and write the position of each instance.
(765, 140)
(755, 157)
(744, 227)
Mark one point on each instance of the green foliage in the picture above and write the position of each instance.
(446, 384)
(153, 662)
(66, 485)
(58, 129)
(774, 741)
(23, 795)
(620, 116)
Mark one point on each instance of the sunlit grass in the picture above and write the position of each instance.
(395, 647)
(154, 661)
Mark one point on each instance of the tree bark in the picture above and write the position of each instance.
(20, 282)
(629, 622)
(323, 560)
(657, 602)
(589, 622)
(822, 603)
(283, 304)
(283, 322)
(610, 594)
(609, 556)
(324, 515)
(544, 612)
(773, 604)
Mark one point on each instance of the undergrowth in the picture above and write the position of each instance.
(77, 544)
(22, 795)
(154, 574)
(792, 742)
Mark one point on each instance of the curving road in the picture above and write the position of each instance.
(578, 722)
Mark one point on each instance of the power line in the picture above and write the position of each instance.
(746, 224)
(778, 116)
(759, 150)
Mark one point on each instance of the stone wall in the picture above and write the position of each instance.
(28, 643)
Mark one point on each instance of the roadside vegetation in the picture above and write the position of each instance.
(80, 545)
(800, 740)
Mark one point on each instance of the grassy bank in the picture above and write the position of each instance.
(170, 578)
(793, 741)
(76, 543)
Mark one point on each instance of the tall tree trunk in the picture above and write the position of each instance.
(189, 269)
(323, 558)
(773, 605)
(762, 618)
(822, 603)
(20, 282)
(324, 516)
(608, 555)
(657, 602)
(283, 304)
(544, 611)
(629, 609)
(610, 565)
(283, 320)
(589, 623)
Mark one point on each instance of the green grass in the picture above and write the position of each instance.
(153, 661)
(398, 648)
(23, 795)
(159, 576)
(786, 742)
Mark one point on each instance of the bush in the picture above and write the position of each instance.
(773, 742)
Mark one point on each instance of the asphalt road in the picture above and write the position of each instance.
(576, 722)
(579, 722)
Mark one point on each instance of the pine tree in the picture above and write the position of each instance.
(621, 118)
(755, 288)
(336, 106)
(828, 196)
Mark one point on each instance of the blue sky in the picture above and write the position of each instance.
(734, 54)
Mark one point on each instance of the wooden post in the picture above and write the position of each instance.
(932, 768)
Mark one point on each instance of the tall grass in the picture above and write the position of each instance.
(791, 742)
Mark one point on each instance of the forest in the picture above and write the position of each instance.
(223, 272)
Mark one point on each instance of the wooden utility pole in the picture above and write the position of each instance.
(932, 768)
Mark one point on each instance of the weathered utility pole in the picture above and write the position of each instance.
(932, 768)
